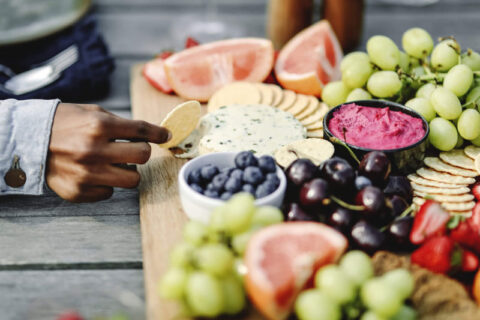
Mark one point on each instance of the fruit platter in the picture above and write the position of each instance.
(308, 184)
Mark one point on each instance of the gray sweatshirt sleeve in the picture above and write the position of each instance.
(25, 128)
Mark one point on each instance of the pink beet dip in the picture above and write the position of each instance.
(375, 128)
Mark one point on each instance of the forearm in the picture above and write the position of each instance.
(25, 128)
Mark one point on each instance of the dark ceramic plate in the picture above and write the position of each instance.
(26, 20)
(404, 160)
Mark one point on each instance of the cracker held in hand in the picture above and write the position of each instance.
(317, 150)
(181, 121)
(457, 158)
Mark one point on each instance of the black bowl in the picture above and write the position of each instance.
(404, 160)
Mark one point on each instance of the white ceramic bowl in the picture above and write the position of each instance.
(199, 207)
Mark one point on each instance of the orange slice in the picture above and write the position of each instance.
(282, 259)
(310, 60)
(196, 73)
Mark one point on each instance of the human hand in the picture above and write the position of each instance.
(83, 154)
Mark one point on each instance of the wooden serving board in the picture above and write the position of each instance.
(161, 214)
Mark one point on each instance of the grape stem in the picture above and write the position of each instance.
(406, 212)
(346, 205)
(350, 151)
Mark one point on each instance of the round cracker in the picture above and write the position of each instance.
(450, 206)
(266, 92)
(317, 116)
(472, 151)
(457, 157)
(181, 121)
(315, 126)
(437, 164)
(431, 183)
(431, 174)
(315, 134)
(300, 104)
(477, 163)
(277, 94)
(312, 107)
(235, 93)
(465, 197)
(434, 190)
(289, 98)
(317, 150)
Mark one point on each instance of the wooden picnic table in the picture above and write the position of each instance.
(56, 256)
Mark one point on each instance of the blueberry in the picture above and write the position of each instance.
(248, 188)
(274, 178)
(362, 182)
(218, 182)
(226, 195)
(270, 176)
(210, 187)
(196, 187)
(233, 185)
(211, 193)
(237, 174)
(265, 189)
(267, 164)
(195, 177)
(208, 172)
(245, 159)
(227, 171)
(253, 175)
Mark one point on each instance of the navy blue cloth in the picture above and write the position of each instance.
(87, 79)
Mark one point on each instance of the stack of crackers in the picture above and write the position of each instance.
(305, 108)
(447, 178)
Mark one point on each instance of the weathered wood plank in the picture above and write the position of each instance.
(43, 295)
(51, 240)
(123, 202)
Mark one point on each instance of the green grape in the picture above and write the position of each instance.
(476, 141)
(333, 282)
(460, 141)
(204, 294)
(404, 62)
(446, 103)
(266, 215)
(378, 296)
(356, 75)
(384, 84)
(181, 255)
(401, 280)
(469, 124)
(422, 106)
(445, 55)
(239, 268)
(471, 59)
(172, 285)
(414, 62)
(240, 241)
(214, 258)
(473, 98)
(358, 94)
(405, 313)
(417, 42)
(357, 265)
(195, 232)
(383, 52)
(458, 79)
(443, 134)
(335, 93)
(217, 219)
(314, 304)
(370, 315)
(234, 296)
(417, 71)
(353, 58)
(238, 212)
(425, 91)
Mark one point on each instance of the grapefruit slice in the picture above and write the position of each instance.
(196, 73)
(310, 60)
(154, 72)
(282, 259)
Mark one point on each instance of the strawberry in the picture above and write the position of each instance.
(476, 191)
(474, 219)
(435, 254)
(191, 42)
(164, 55)
(470, 261)
(430, 220)
(70, 315)
(155, 74)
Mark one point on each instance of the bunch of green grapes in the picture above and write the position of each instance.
(350, 291)
(205, 273)
(438, 81)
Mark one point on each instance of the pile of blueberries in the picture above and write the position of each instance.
(257, 176)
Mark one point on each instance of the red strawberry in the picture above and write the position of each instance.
(430, 220)
(164, 55)
(470, 261)
(70, 315)
(191, 42)
(476, 191)
(155, 74)
(474, 219)
(435, 254)
(465, 235)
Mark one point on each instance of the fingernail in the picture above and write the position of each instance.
(169, 135)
